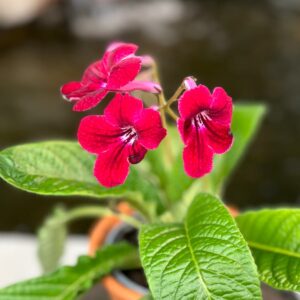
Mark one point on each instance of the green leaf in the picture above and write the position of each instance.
(245, 123)
(51, 240)
(206, 257)
(63, 168)
(274, 238)
(68, 282)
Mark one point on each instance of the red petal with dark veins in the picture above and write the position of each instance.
(184, 128)
(194, 101)
(112, 166)
(94, 73)
(197, 156)
(123, 110)
(218, 135)
(116, 52)
(90, 100)
(96, 135)
(123, 72)
(221, 106)
(149, 129)
(136, 153)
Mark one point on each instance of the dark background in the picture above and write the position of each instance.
(251, 48)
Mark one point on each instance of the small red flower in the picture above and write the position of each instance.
(204, 126)
(119, 137)
(115, 72)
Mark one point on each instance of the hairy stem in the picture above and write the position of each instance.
(98, 211)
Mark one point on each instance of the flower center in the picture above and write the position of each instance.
(199, 120)
(103, 85)
(129, 135)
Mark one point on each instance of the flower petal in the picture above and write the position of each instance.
(90, 100)
(94, 73)
(149, 129)
(123, 72)
(116, 52)
(123, 110)
(221, 106)
(136, 153)
(96, 135)
(193, 101)
(69, 88)
(75, 90)
(197, 156)
(112, 166)
(218, 135)
(146, 86)
(184, 128)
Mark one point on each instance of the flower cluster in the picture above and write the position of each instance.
(126, 130)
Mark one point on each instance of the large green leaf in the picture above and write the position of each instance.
(245, 123)
(63, 168)
(206, 257)
(274, 238)
(68, 282)
(51, 240)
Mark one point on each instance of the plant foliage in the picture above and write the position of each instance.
(69, 282)
(205, 257)
(274, 238)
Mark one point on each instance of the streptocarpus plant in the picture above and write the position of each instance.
(190, 246)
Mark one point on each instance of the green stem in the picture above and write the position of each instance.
(177, 93)
(162, 104)
(171, 113)
(97, 211)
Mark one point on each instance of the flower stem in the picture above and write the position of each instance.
(161, 96)
(172, 114)
(162, 104)
(177, 93)
(98, 211)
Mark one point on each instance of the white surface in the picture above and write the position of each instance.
(18, 259)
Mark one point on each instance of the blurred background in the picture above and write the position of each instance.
(251, 48)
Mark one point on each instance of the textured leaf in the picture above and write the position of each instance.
(274, 238)
(68, 282)
(63, 168)
(51, 240)
(206, 257)
(245, 123)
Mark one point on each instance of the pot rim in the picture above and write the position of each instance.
(98, 234)
(121, 277)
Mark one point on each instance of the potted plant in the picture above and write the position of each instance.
(165, 219)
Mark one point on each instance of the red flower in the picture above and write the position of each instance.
(115, 72)
(204, 126)
(119, 137)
